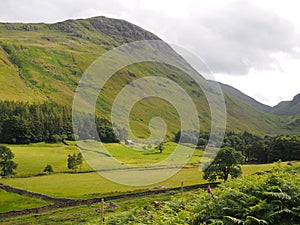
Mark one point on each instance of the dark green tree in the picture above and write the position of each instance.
(284, 148)
(74, 161)
(225, 163)
(79, 160)
(160, 147)
(71, 162)
(7, 166)
(256, 152)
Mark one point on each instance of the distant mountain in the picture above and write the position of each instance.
(288, 107)
(44, 62)
(245, 98)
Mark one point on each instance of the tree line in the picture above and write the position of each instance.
(23, 123)
(254, 148)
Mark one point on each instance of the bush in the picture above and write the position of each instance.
(48, 169)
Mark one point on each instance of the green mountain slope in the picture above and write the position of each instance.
(44, 62)
(245, 98)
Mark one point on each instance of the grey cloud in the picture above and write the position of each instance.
(248, 36)
(55, 10)
(230, 40)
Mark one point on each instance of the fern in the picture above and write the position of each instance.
(216, 222)
(251, 220)
(260, 206)
(284, 213)
(233, 220)
(276, 196)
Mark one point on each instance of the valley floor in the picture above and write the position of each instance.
(86, 184)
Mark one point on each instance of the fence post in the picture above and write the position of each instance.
(181, 188)
(102, 211)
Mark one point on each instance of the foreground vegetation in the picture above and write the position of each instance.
(87, 214)
(267, 199)
(270, 198)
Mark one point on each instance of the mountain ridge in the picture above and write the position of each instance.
(288, 108)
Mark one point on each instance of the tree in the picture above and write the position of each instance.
(71, 162)
(79, 160)
(7, 166)
(74, 161)
(256, 152)
(160, 147)
(48, 169)
(225, 163)
(284, 148)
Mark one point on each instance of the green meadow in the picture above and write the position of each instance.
(11, 201)
(87, 183)
(33, 158)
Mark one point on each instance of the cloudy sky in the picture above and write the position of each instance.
(253, 45)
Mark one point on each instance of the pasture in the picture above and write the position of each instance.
(11, 201)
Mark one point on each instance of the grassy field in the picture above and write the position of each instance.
(249, 169)
(86, 183)
(11, 201)
(33, 158)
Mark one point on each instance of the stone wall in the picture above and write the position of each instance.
(67, 202)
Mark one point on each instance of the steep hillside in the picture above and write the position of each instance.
(245, 98)
(44, 62)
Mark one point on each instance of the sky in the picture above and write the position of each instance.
(252, 45)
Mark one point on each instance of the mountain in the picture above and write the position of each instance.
(288, 107)
(44, 62)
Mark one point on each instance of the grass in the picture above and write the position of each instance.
(136, 155)
(33, 158)
(11, 201)
(86, 214)
(86, 185)
(250, 169)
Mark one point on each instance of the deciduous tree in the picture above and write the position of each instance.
(7, 166)
(225, 163)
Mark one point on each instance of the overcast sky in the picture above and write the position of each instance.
(253, 45)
